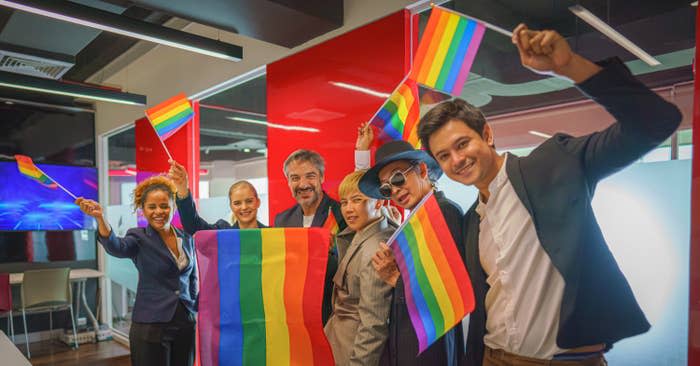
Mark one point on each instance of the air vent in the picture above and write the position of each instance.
(32, 65)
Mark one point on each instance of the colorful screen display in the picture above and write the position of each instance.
(25, 204)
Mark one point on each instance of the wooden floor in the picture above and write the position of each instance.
(56, 353)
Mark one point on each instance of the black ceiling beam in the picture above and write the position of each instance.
(115, 23)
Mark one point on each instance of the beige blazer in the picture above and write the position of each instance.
(358, 327)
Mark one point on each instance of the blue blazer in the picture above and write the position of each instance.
(161, 284)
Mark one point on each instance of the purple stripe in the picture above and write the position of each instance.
(413, 312)
(208, 316)
(469, 60)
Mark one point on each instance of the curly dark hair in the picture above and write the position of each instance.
(154, 183)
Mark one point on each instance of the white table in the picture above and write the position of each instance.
(79, 277)
(11, 356)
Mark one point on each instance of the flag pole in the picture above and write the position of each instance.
(58, 184)
(496, 28)
(396, 233)
(161, 140)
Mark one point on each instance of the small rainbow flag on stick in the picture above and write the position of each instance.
(447, 50)
(260, 297)
(168, 117)
(27, 168)
(398, 117)
(331, 223)
(438, 289)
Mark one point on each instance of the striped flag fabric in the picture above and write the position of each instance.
(446, 51)
(398, 117)
(260, 297)
(168, 117)
(26, 167)
(437, 287)
(331, 223)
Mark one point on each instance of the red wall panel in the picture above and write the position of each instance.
(305, 90)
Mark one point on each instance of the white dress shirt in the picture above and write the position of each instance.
(523, 302)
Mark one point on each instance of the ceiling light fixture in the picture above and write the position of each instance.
(361, 89)
(614, 35)
(274, 125)
(539, 134)
(50, 86)
(114, 23)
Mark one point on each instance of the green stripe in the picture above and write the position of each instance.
(173, 119)
(450, 58)
(252, 309)
(395, 119)
(428, 293)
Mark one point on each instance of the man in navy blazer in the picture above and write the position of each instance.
(547, 287)
(305, 170)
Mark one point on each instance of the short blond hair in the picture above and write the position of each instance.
(351, 183)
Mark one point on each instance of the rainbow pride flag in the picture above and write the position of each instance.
(26, 167)
(446, 51)
(398, 117)
(437, 286)
(260, 297)
(331, 223)
(168, 117)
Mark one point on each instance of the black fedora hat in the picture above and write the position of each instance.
(390, 152)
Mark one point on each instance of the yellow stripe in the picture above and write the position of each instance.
(170, 113)
(433, 275)
(34, 173)
(445, 41)
(400, 103)
(273, 270)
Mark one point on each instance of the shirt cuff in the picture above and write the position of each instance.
(362, 159)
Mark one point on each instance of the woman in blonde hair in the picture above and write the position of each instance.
(243, 199)
(163, 321)
(357, 329)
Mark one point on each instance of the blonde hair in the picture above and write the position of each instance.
(235, 186)
(154, 183)
(351, 183)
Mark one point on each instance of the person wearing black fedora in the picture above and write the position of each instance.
(405, 175)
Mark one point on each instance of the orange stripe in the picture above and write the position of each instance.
(434, 44)
(448, 278)
(300, 351)
(166, 106)
(424, 43)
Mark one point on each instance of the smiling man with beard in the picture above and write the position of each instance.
(304, 170)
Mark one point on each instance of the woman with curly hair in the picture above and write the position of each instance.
(163, 321)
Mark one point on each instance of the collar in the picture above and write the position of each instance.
(494, 187)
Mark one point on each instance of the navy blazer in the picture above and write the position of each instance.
(161, 284)
(556, 183)
(192, 222)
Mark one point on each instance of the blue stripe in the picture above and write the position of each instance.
(417, 292)
(175, 125)
(459, 56)
(231, 326)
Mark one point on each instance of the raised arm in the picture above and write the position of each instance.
(643, 119)
(365, 136)
(191, 221)
(119, 247)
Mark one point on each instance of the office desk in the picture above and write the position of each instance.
(11, 356)
(79, 277)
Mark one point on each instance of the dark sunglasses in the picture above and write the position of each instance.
(398, 179)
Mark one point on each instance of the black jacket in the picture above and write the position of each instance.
(556, 183)
(294, 217)
(403, 343)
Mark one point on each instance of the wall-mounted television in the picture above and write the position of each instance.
(27, 205)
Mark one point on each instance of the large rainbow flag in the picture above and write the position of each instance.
(438, 289)
(398, 117)
(168, 117)
(26, 167)
(446, 51)
(260, 297)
